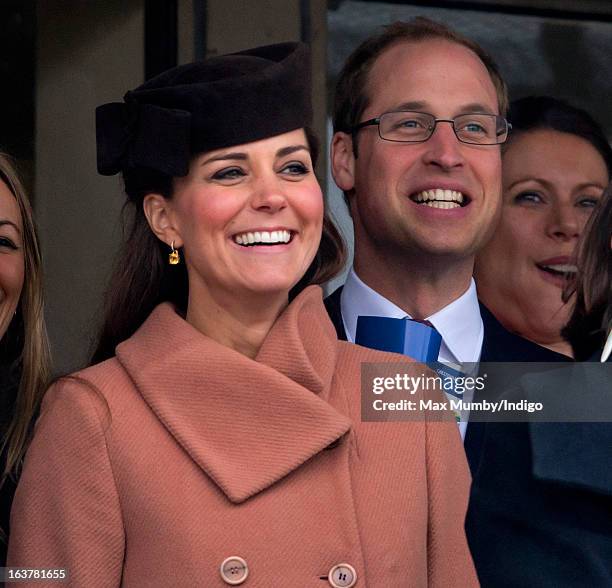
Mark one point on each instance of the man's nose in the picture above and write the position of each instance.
(443, 149)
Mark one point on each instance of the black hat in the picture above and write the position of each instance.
(212, 104)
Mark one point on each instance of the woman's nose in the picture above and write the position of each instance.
(564, 222)
(268, 195)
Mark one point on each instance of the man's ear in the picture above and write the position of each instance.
(158, 211)
(343, 161)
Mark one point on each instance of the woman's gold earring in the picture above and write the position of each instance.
(173, 257)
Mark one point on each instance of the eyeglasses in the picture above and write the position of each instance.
(417, 127)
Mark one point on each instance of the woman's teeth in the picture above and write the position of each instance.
(438, 198)
(560, 268)
(262, 238)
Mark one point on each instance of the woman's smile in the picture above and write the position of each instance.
(249, 218)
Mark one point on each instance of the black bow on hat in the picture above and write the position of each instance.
(142, 135)
(202, 106)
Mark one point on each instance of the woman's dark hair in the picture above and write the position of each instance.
(545, 112)
(142, 277)
(591, 320)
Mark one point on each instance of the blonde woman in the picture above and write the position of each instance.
(24, 355)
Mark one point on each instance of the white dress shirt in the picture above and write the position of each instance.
(459, 323)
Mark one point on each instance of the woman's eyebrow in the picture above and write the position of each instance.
(4, 222)
(526, 179)
(584, 185)
(291, 149)
(225, 156)
(239, 156)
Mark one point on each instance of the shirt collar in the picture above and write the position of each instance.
(459, 323)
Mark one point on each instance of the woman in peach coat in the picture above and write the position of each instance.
(220, 440)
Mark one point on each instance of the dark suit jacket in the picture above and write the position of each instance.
(540, 511)
(498, 345)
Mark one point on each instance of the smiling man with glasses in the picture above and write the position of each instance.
(419, 120)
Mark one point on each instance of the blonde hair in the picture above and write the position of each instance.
(26, 332)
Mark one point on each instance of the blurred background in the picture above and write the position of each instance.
(59, 59)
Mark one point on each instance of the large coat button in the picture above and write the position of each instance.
(234, 570)
(342, 576)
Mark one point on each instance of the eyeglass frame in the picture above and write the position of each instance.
(376, 122)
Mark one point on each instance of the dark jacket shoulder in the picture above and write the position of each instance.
(332, 305)
(499, 344)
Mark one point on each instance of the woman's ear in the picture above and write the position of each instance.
(158, 211)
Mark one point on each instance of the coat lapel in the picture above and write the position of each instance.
(247, 423)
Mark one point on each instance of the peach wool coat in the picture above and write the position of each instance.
(153, 467)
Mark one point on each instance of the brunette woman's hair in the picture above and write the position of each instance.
(24, 349)
(591, 320)
(545, 112)
(142, 278)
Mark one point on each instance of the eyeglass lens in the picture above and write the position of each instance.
(478, 129)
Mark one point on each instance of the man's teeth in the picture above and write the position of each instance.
(438, 198)
(266, 237)
(441, 204)
(561, 268)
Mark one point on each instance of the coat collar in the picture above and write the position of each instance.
(247, 423)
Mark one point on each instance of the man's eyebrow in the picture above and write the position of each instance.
(291, 149)
(4, 222)
(225, 156)
(412, 105)
(421, 106)
(475, 107)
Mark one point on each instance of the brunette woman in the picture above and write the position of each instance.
(543, 517)
(220, 441)
(556, 165)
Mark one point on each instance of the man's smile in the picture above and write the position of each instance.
(440, 198)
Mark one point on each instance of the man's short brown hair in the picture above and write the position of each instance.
(351, 100)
